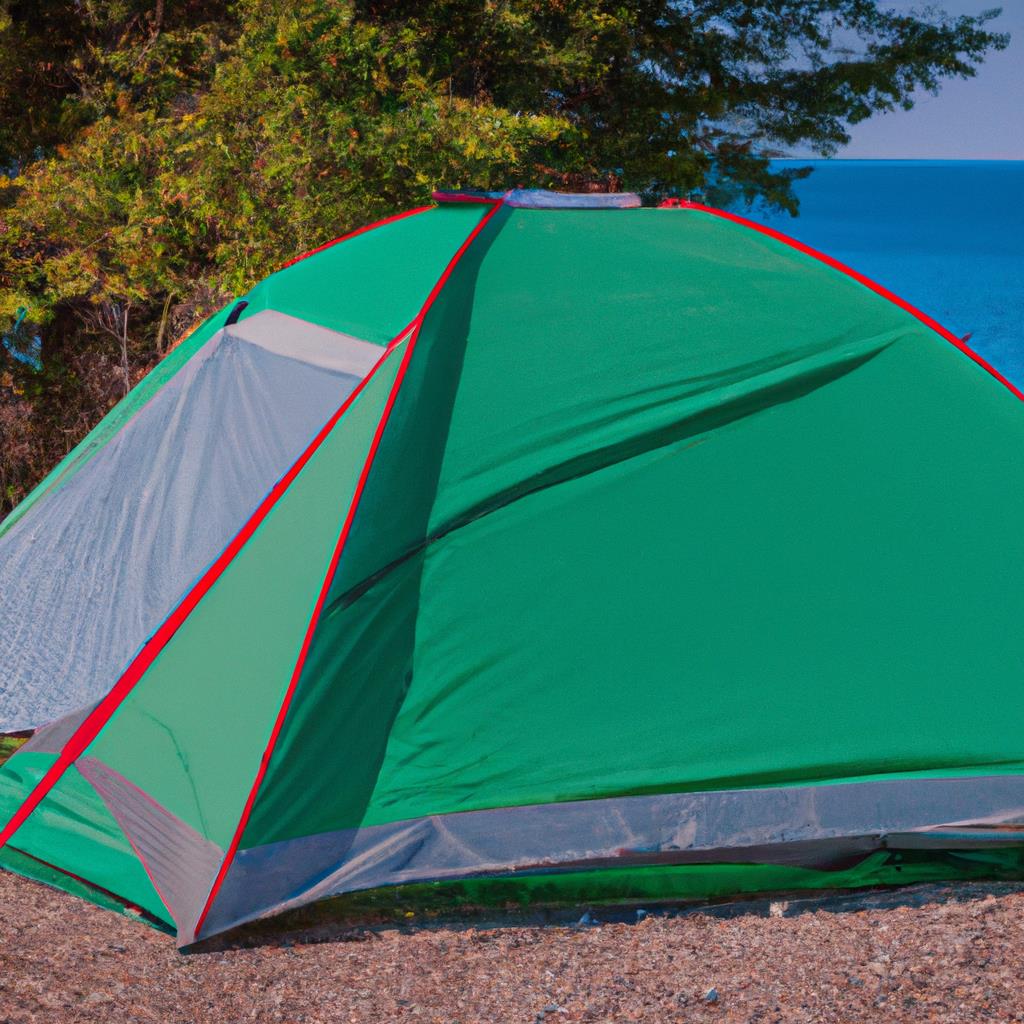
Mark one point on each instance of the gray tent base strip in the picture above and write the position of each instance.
(105, 557)
(820, 826)
(826, 827)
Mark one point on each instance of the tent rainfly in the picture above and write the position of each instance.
(526, 546)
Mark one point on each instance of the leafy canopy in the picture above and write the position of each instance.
(163, 156)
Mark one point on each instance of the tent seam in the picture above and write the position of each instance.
(863, 279)
(125, 903)
(507, 497)
(282, 715)
(353, 234)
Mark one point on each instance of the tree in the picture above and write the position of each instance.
(164, 157)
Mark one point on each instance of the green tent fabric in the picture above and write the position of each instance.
(649, 555)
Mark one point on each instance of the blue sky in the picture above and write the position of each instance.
(981, 118)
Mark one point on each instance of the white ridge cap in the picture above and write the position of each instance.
(542, 199)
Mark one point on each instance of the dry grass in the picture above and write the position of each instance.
(957, 958)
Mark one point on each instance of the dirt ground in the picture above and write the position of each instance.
(958, 957)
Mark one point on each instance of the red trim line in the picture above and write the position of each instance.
(948, 335)
(352, 234)
(335, 558)
(103, 711)
(127, 904)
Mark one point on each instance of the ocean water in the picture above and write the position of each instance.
(946, 235)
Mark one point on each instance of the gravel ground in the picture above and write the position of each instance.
(956, 959)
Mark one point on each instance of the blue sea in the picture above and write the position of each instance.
(946, 235)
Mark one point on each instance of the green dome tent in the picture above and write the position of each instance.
(526, 546)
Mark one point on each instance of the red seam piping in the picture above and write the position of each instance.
(353, 234)
(127, 904)
(335, 558)
(103, 711)
(862, 279)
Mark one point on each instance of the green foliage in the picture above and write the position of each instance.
(8, 745)
(165, 157)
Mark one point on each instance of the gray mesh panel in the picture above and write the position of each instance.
(90, 573)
